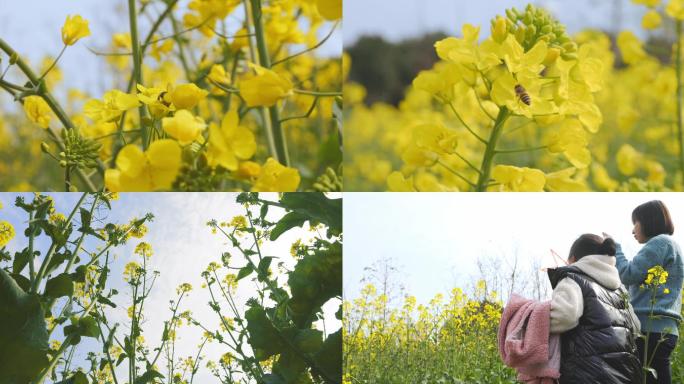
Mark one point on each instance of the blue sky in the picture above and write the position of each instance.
(396, 20)
(33, 28)
(436, 238)
(183, 247)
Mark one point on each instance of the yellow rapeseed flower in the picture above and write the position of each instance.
(6, 233)
(230, 142)
(37, 110)
(675, 8)
(75, 28)
(651, 20)
(155, 169)
(264, 88)
(183, 126)
(112, 105)
(276, 177)
(187, 96)
(330, 9)
(516, 179)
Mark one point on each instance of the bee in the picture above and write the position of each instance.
(522, 94)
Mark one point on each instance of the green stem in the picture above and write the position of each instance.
(32, 234)
(518, 150)
(458, 116)
(265, 61)
(315, 93)
(48, 255)
(309, 49)
(680, 99)
(65, 344)
(455, 173)
(53, 63)
(52, 103)
(137, 66)
(490, 151)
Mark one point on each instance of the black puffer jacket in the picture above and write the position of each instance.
(602, 348)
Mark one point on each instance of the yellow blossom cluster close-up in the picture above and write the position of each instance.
(523, 105)
(203, 95)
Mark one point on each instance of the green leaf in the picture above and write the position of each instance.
(23, 282)
(78, 276)
(329, 358)
(270, 378)
(264, 337)
(263, 212)
(105, 301)
(287, 222)
(245, 271)
(83, 327)
(317, 207)
(21, 259)
(264, 264)
(85, 219)
(23, 333)
(121, 358)
(59, 286)
(309, 340)
(148, 377)
(57, 259)
(78, 378)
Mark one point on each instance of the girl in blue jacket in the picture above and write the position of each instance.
(653, 228)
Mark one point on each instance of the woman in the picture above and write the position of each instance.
(653, 228)
(597, 324)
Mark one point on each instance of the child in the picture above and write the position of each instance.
(590, 309)
(653, 228)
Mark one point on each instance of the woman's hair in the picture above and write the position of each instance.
(654, 218)
(590, 244)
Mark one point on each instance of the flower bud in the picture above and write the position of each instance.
(45, 147)
(499, 30)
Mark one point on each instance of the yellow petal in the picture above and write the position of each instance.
(130, 160)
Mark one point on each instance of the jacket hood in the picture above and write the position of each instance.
(601, 268)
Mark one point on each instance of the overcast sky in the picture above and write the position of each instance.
(183, 247)
(396, 20)
(436, 238)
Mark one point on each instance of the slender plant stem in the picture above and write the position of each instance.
(316, 93)
(137, 67)
(280, 143)
(490, 151)
(308, 49)
(48, 255)
(52, 103)
(53, 63)
(32, 234)
(455, 173)
(518, 150)
(458, 116)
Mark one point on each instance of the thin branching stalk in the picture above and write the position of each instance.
(279, 140)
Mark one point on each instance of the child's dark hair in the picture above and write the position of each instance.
(654, 218)
(590, 244)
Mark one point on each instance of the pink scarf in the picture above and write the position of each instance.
(525, 343)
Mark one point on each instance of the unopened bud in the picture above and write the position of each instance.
(14, 58)
(499, 30)
(45, 147)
